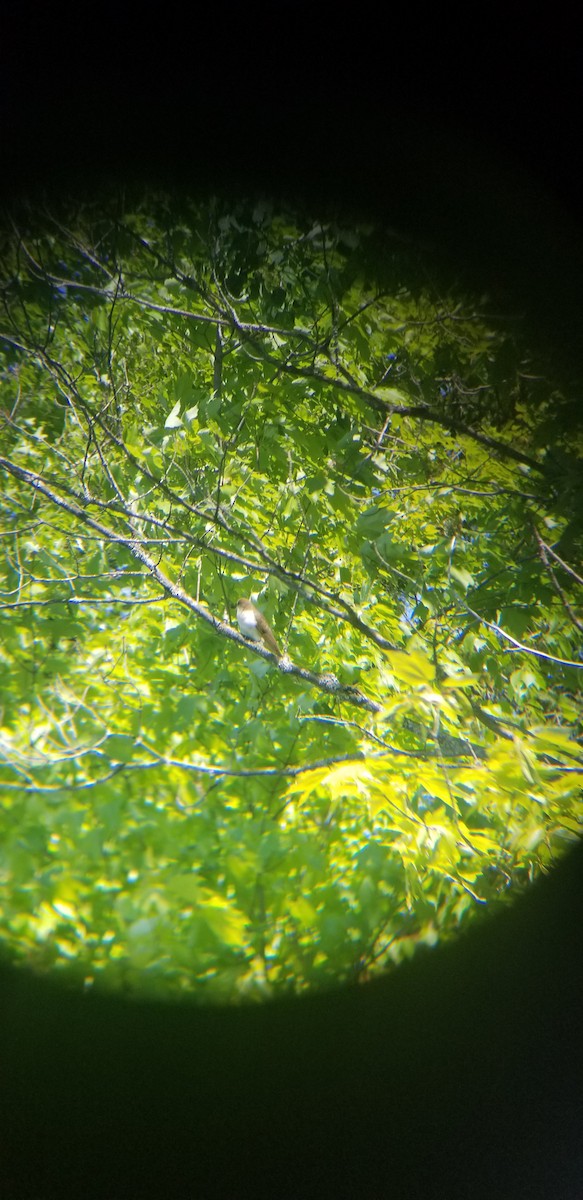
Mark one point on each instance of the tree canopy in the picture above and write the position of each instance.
(207, 400)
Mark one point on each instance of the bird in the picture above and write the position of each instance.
(253, 625)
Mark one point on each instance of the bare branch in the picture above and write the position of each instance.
(563, 662)
(544, 557)
(327, 683)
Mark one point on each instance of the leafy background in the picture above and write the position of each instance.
(207, 400)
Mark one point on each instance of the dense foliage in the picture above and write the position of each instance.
(201, 402)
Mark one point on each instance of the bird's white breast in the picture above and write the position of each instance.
(248, 625)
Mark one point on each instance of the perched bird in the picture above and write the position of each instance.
(253, 625)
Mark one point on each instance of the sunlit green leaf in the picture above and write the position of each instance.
(322, 419)
(412, 668)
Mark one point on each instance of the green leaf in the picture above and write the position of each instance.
(460, 681)
(120, 747)
(462, 576)
(411, 668)
(226, 922)
(558, 739)
(173, 420)
(373, 522)
(178, 816)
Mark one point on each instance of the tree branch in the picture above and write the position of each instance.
(326, 682)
